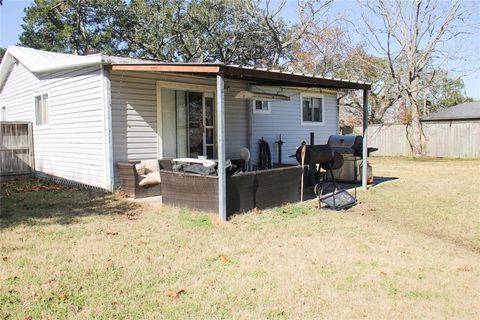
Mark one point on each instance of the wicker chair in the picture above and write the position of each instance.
(129, 179)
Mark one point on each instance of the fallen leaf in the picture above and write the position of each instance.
(112, 233)
(174, 294)
(5, 258)
(62, 297)
(465, 268)
(224, 258)
(383, 273)
(132, 215)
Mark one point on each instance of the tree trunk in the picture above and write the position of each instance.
(416, 131)
(415, 122)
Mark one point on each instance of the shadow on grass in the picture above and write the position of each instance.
(35, 202)
(329, 186)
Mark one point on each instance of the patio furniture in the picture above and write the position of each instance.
(130, 179)
(205, 162)
(245, 191)
(278, 186)
(200, 192)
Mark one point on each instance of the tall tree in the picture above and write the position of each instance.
(447, 92)
(410, 35)
(196, 31)
(72, 26)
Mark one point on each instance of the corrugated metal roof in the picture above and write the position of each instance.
(467, 110)
(40, 61)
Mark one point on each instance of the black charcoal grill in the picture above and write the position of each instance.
(317, 157)
(341, 158)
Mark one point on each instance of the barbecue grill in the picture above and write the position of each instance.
(350, 147)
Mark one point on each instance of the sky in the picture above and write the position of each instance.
(12, 12)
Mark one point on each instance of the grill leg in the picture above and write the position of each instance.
(355, 174)
(334, 187)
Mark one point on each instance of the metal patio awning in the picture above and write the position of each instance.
(263, 76)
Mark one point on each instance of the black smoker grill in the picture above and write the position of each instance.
(351, 148)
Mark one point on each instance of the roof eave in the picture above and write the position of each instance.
(63, 66)
(5, 67)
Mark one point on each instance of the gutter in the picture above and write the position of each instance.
(449, 119)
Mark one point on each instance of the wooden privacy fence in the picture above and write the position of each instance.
(453, 139)
(16, 148)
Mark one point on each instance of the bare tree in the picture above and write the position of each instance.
(412, 35)
(309, 14)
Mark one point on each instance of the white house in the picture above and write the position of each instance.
(89, 112)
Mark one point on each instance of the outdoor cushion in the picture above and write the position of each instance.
(151, 165)
(151, 178)
(140, 167)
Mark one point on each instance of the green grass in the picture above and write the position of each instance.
(410, 249)
(194, 220)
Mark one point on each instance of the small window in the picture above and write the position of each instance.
(3, 113)
(312, 110)
(260, 106)
(41, 110)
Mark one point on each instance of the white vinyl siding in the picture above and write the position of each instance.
(72, 146)
(286, 120)
(134, 114)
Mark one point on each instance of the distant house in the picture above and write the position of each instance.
(90, 112)
(467, 111)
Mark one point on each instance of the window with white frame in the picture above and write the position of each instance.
(312, 109)
(260, 106)
(41, 109)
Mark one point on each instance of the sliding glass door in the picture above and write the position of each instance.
(188, 128)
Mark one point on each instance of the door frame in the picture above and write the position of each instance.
(161, 84)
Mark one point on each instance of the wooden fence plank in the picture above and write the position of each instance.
(16, 148)
(452, 139)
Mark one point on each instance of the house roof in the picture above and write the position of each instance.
(38, 61)
(463, 111)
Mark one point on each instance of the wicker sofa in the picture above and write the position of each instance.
(261, 189)
(129, 179)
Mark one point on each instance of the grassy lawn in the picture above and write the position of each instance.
(411, 249)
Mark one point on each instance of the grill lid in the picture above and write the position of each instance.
(346, 144)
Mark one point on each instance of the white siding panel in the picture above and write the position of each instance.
(71, 146)
(285, 119)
